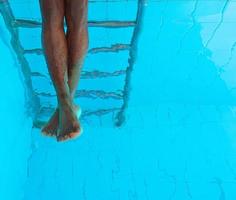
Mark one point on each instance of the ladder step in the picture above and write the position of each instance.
(93, 94)
(89, 74)
(85, 114)
(113, 48)
(25, 23)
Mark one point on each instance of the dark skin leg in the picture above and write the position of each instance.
(64, 54)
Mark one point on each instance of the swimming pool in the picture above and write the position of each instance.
(158, 94)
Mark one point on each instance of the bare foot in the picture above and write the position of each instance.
(50, 129)
(69, 126)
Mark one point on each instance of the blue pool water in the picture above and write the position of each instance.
(158, 94)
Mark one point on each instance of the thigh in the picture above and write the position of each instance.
(76, 12)
(53, 12)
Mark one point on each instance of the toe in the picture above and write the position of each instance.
(44, 132)
(74, 134)
(62, 138)
(48, 133)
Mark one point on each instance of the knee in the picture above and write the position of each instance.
(77, 21)
(53, 23)
(77, 26)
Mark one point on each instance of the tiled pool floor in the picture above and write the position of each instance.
(179, 139)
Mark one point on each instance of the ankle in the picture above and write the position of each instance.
(65, 106)
(65, 100)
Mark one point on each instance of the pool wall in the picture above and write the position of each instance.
(15, 145)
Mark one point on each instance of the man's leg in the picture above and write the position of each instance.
(77, 42)
(77, 39)
(56, 52)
